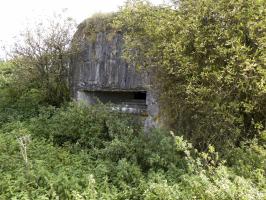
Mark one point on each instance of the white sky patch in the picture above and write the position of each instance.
(16, 15)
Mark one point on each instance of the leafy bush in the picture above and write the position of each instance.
(17, 102)
(80, 124)
(249, 161)
(209, 61)
(106, 156)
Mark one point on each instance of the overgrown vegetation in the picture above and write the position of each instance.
(89, 152)
(210, 62)
(54, 149)
(41, 58)
(81, 152)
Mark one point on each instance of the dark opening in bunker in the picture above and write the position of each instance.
(140, 95)
(126, 101)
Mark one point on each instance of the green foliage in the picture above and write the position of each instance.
(249, 160)
(83, 152)
(41, 58)
(88, 152)
(6, 72)
(209, 58)
(17, 102)
(80, 124)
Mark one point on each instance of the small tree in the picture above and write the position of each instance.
(42, 56)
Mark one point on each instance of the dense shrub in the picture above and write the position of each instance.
(103, 155)
(209, 58)
(17, 101)
(80, 124)
(39, 60)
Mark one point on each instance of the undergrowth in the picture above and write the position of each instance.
(88, 152)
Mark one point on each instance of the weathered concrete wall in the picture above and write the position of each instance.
(99, 66)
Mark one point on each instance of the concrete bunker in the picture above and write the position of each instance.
(99, 72)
